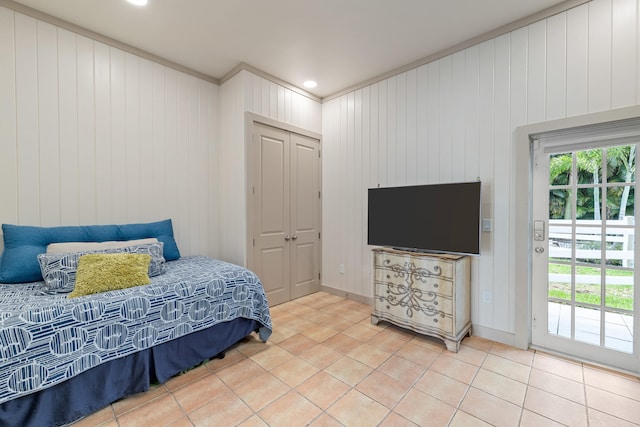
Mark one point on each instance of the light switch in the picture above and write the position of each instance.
(486, 225)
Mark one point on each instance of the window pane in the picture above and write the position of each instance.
(589, 166)
(560, 169)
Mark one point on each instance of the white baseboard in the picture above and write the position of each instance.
(348, 295)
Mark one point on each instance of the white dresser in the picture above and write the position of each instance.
(426, 293)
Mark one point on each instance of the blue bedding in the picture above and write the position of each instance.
(47, 339)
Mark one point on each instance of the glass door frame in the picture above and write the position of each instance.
(521, 212)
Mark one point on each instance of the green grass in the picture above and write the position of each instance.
(581, 269)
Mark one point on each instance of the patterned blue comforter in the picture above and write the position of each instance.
(46, 339)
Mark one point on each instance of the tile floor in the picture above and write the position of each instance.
(326, 365)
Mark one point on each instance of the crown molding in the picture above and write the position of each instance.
(246, 67)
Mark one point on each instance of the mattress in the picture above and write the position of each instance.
(47, 339)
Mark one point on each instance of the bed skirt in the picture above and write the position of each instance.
(104, 384)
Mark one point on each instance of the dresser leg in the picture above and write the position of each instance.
(452, 346)
(374, 320)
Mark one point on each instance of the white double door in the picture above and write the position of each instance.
(584, 286)
(285, 170)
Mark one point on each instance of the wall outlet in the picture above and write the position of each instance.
(341, 269)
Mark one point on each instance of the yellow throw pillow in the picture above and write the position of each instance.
(108, 272)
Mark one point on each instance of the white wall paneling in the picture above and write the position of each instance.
(454, 119)
(242, 93)
(93, 135)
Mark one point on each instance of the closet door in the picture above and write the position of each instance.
(285, 212)
(271, 212)
(305, 215)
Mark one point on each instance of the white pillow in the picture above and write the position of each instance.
(69, 247)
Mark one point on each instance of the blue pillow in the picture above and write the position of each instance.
(22, 244)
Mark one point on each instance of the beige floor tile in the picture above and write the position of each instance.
(402, 369)
(132, 402)
(432, 343)
(382, 388)
(490, 409)
(319, 317)
(182, 422)
(187, 377)
(272, 357)
(614, 404)
(326, 420)
(555, 407)
(558, 366)
(231, 357)
(454, 368)
(320, 356)
(468, 354)
(254, 421)
(292, 409)
(342, 343)
(390, 339)
(357, 409)
(462, 419)
(300, 324)
(559, 386)
(396, 420)
(281, 333)
(500, 386)
(508, 368)
(161, 411)
(252, 344)
(295, 372)
(600, 419)
(524, 357)
(261, 391)
(369, 355)
(362, 332)
(478, 343)
(297, 344)
(424, 410)
(319, 333)
(226, 410)
(240, 372)
(610, 381)
(442, 387)
(323, 389)
(200, 392)
(349, 370)
(300, 310)
(418, 354)
(531, 419)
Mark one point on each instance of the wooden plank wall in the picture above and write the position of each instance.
(91, 134)
(454, 120)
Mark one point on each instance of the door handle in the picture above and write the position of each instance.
(538, 230)
(294, 237)
(286, 237)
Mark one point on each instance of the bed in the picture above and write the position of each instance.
(64, 358)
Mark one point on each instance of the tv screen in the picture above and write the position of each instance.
(429, 218)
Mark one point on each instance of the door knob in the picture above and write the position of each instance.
(294, 237)
(286, 237)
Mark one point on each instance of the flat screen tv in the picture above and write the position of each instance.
(435, 218)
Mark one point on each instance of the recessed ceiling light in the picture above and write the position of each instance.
(310, 84)
(138, 2)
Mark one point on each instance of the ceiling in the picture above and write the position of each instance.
(338, 43)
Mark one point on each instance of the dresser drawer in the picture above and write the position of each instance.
(429, 266)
